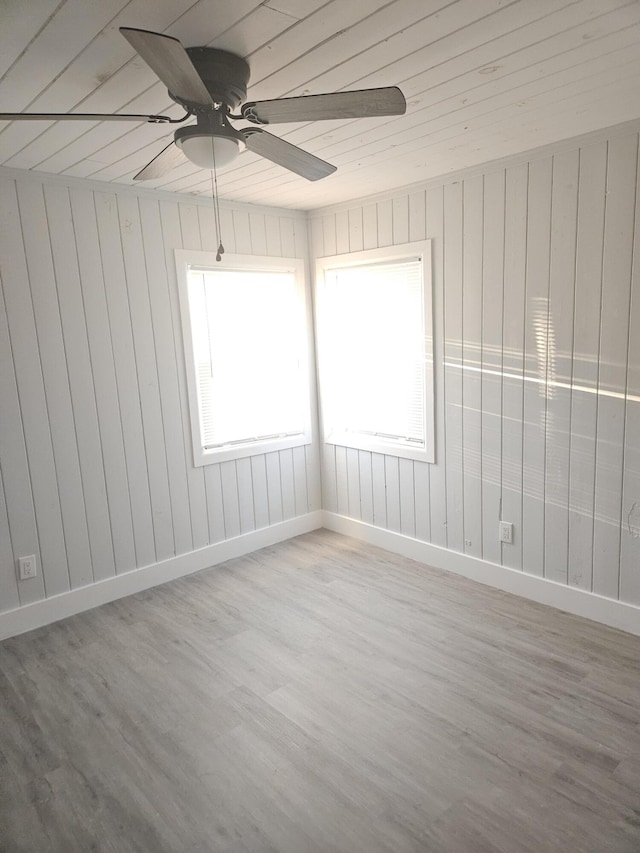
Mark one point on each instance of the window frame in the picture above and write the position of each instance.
(363, 441)
(185, 260)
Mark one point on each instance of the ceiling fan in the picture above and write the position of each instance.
(209, 83)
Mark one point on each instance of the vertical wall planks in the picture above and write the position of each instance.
(329, 235)
(126, 377)
(215, 503)
(79, 372)
(287, 481)
(491, 360)
(260, 496)
(288, 237)
(329, 478)
(100, 372)
(104, 378)
(178, 231)
(342, 482)
(392, 492)
(379, 490)
(258, 234)
(8, 577)
(31, 392)
(385, 222)
(421, 484)
(242, 232)
(167, 372)
(300, 244)
(559, 358)
(407, 497)
(584, 378)
(417, 217)
(312, 475)
(245, 495)
(22, 534)
(515, 249)
(274, 487)
(366, 486)
(230, 500)
(437, 474)
(209, 239)
(453, 402)
(316, 238)
(227, 230)
(44, 298)
(353, 483)
(93, 386)
(400, 220)
(355, 230)
(273, 242)
(535, 356)
(630, 535)
(370, 226)
(342, 232)
(148, 374)
(472, 314)
(299, 458)
(612, 374)
(517, 269)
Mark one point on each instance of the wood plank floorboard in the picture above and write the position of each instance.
(320, 695)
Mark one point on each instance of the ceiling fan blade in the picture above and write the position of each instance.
(285, 154)
(360, 104)
(164, 162)
(170, 61)
(87, 117)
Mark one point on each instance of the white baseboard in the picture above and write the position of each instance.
(57, 607)
(616, 614)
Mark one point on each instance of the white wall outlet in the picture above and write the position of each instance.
(506, 532)
(27, 567)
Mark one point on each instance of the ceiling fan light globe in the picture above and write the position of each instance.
(208, 151)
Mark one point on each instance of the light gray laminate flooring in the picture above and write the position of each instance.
(320, 695)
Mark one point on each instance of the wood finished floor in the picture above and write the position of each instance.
(321, 695)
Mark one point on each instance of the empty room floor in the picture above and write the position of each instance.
(320, 695)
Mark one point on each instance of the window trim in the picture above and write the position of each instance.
(186, 259)
(377, 444)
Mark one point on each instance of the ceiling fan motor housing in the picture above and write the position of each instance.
(224, 74)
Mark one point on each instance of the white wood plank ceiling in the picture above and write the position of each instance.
(483, 79)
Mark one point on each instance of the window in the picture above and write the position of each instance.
(375, 350)
(245, 334)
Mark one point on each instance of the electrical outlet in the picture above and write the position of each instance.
(506, 532)
(27, 567)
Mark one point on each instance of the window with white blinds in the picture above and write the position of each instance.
(374, 340)
(246, 342)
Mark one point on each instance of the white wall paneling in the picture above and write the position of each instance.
(491, 356)
(537, 367)
(536, 318)
(612, 364)
(97, 473)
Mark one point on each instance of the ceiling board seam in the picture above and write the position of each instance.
(34, 37)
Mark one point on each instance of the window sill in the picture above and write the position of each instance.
(375, 444)
(242, 451)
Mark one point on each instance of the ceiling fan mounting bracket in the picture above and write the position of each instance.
(210, 123)
(224, 75)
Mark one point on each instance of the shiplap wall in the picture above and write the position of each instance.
(97, 475)
(537, 359)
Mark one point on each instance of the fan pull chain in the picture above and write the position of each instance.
(216, 204)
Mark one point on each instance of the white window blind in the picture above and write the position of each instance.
(374, 348)
(247, 333)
